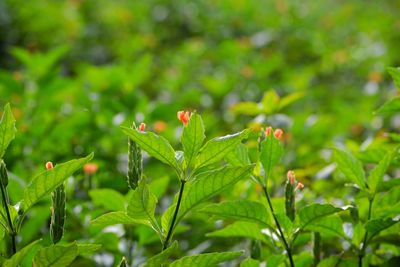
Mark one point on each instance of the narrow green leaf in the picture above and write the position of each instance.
(161, 258)
(142, 205)
(271, 153)
(390, 107)
(244, 210)
(7, 129)
(217, 148)
(375, 226)
(192, 138)
(108, 198)
(240, 229)
(249, 262)
(56, 256)
(16, 259)
(350, 167)
(116, 217)
(206, 259)
(44, 183)
(314, 212)
(209, 184)
(395, 73)
(155, 145)
(376, 175)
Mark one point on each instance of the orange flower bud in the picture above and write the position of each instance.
(142, 126)
(49, 165)
(268, 131)
(291, 177)
(184, 117)
(299, 186)
(278, 133)
(90, 168)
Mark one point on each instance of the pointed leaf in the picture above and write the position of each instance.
(56, 256)
(116, 217)
(240, 229)
(377, 225)
(271, 153)
(108, 198)
(206, 259)
(350, 167)
(161, 258)
(155, 145)
(390, 107)
(249, 262)
(88, 249)
(192, 137)
(376, 175)
(331, 225)
(395, 73)
(314, 212)
(244, 210)
(47, 181)
(7, 129)
(16, 259)
(217, 148)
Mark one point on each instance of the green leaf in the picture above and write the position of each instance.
(162, 257)
(387, 185)
(240, 229)
(314, 212)
(206, 259)
(16, 259)
(331, 225)
(270, 101)
(239, 157)
(247, 108)
(209, 184)
(192, 138)
(56, 255)
(390, 107)
(217, 148)
(44, 183)
(376, 175)
(155, 145)
(88, 249)
(108, 198)
(271, 153)
(142, 205)
(249, 262)
(116, 217)
(7, 129)
(350, 167)
(395, 73)
(375, 226)
(244, 210)
(289, 99)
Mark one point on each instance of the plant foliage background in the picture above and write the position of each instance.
(75, 71)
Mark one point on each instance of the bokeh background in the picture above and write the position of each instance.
(75, 70)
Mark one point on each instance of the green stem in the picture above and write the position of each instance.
(285, 243)
(5, 202)
(172, 226)
(364, 245)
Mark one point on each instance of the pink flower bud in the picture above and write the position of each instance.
(49, 165)
(268, 131)
(291, 177)
(90, 168)
(278, 133)
(184, 117)
(299, 186)
(142, 126)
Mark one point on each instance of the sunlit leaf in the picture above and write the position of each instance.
(249, 262)
(206, 259)
(375, 226)
(192, 138)
(56, 255)
(313, 212)
(376, 175)
(7, 129)
(162, 257)
(271, 153)
(350, 167)
(16, 259)
(116, 217)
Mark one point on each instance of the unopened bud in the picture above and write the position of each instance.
(268, 131)
(278, 133)
(49, 165)
(184, 117)
(90, 168)
(142, 126)
(291, 177)
(299, 186)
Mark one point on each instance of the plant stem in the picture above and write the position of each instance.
(6, 202)
(364, 245)
(287, 248)
(172, 226)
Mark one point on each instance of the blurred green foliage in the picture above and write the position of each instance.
(75, 70)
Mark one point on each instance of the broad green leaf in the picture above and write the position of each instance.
(249, 262)
(88, 249)
(192, 138)
(7, 129)
(206, 259)
(331, 225)
(155, 145)
(240, 229)
(3, 216)
(390, 107)
(162, 257)
(387, 185)
(270, 101)
(209, 184)
(286, 224)
(376, 175)
(395, 73)
(108, 198)
(116, 217)
(313, 212)
(217, 148)
(142, 205)
(377, 225)
(56, 256)
(350, 167)
(44, 183)
(271, 153)
(239, 157)
(16, 259)
(244, 210)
